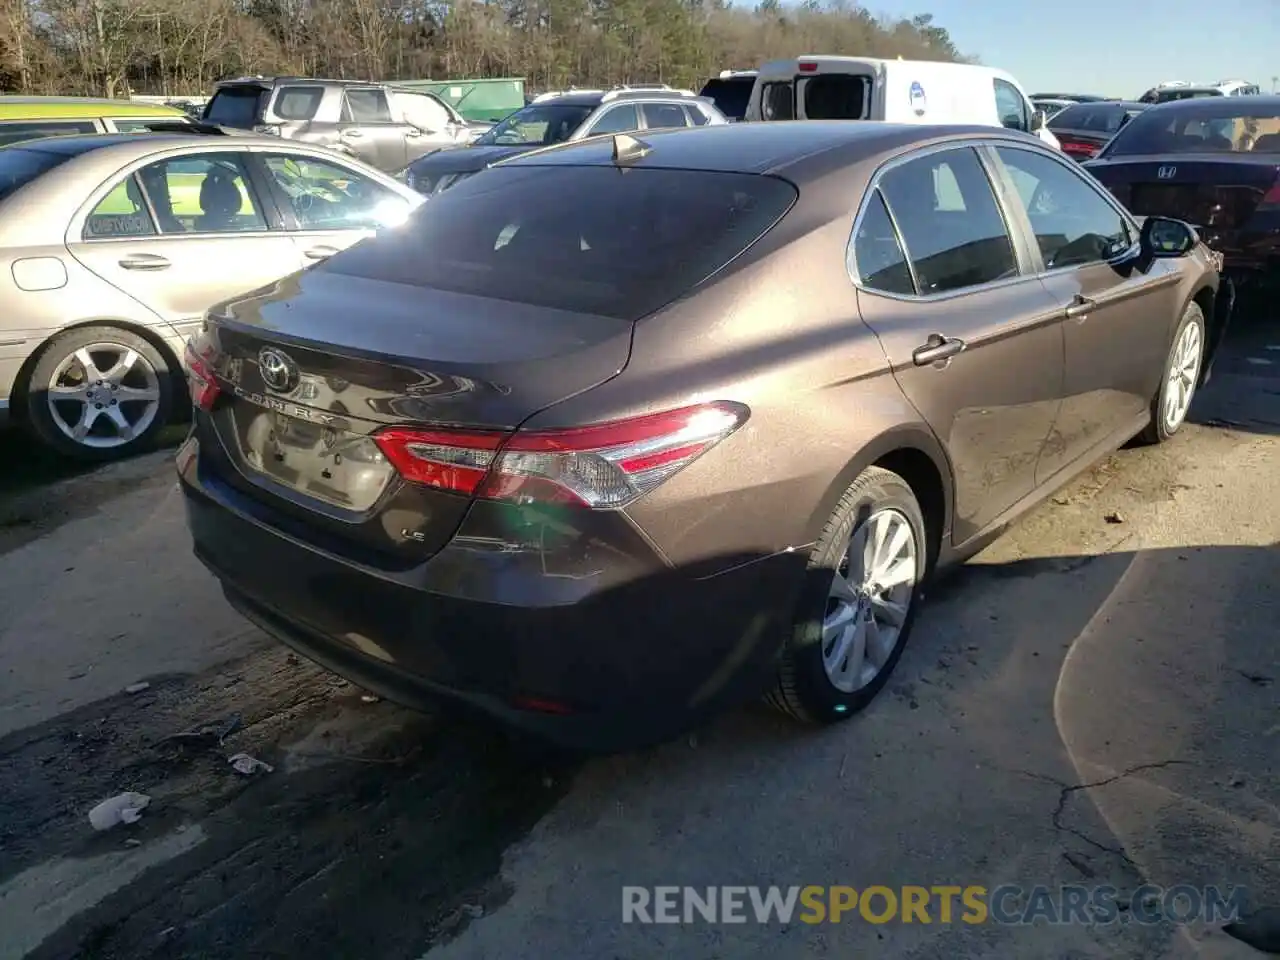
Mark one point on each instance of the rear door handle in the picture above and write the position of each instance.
(1080, 308)
(936, 348)
(319, 253)
(144, 261)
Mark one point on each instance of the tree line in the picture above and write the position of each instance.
(180, 47)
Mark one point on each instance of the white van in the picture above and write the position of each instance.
(897, 91)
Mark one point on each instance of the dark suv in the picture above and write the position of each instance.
(385, 126)
(561, 117)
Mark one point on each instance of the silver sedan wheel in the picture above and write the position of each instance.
(104, 395)
(1183, 373)
(870, 596)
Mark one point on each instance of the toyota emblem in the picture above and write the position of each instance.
(278, 371)
(1166, 173)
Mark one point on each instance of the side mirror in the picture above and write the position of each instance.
(1038, 121)
(1163, 238)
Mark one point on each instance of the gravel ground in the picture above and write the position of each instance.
(1092, 700)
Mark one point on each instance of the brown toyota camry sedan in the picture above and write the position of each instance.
(619, 433)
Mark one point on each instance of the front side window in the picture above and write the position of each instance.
(121, 213)
(778, 101)
(946, 211)
(661, 115)
(423, 111)
(326, 196)
(540, 124)
(365, 106)
(19, 130)
(298, 103)
(878, 259)
(1011, 107)
(1074, 225)
(624, 119)
(203, 194)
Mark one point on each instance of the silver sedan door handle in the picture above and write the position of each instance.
(145, 261)
(1080, 308)
(319, 253)
(936, 348)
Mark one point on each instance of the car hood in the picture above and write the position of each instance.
(465, 159)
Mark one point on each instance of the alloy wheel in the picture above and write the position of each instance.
(103, 395)
(1183, 373)
(870, 596)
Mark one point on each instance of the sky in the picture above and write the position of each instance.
(1116, 48)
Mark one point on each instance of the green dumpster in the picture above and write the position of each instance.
(489, 100)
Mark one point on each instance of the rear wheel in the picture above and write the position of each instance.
(1170, 405)
(854, 619)
(99, 393)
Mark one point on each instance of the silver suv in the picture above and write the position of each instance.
(559, 117)
(385, 126)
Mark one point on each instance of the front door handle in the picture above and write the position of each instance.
(351, 135)
(145, 261)
(319, 253)
(936, 348)
(1080, 308)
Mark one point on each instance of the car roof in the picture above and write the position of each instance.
(79, 108)
(1111, 104)
(775, 147)
(1241, 106)
(128, 145)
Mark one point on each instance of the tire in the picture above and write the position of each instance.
(137, 386)
(806, 690)
(1162, 426)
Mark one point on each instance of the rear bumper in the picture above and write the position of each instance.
(622, 651)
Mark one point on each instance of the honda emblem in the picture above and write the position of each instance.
(1166, 173)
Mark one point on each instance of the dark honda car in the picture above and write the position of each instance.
(1084, 129)
(1212, 162)
(619, 433)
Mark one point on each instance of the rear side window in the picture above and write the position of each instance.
(121, 213)
(878, 259)
(239, 107)
(778, 101)
(19, 167)
(592, 240)
(954, 233)
(298, 103)
(366, 106)
(21, 130)
(835, 96)
(660, 115)
(697, 118)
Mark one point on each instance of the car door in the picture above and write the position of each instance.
(1116, 318)
(369, 130)
(327, 205)
(182, 233)
(971, 334)
(430, 123)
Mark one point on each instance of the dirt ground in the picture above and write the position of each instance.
(1122, 636)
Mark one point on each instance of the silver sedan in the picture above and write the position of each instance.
(112, 247)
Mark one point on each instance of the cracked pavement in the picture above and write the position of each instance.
(1090, 701)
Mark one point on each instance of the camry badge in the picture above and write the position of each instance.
(278, 371)
(1166, 173)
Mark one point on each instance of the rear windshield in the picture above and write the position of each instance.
(538, 124)
(595, 240)
(236, 107)
(18, 167)
(731, 94)
(823, 96)
(1095, 117)
(1223, 125)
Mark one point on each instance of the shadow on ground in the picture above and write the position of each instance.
(381, 831)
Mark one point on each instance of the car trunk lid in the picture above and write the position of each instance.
(313, 368)
(1212, 192)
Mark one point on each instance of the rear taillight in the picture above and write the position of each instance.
(204, 388)
(808, 67)
(1271, 200)
(603, 466)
